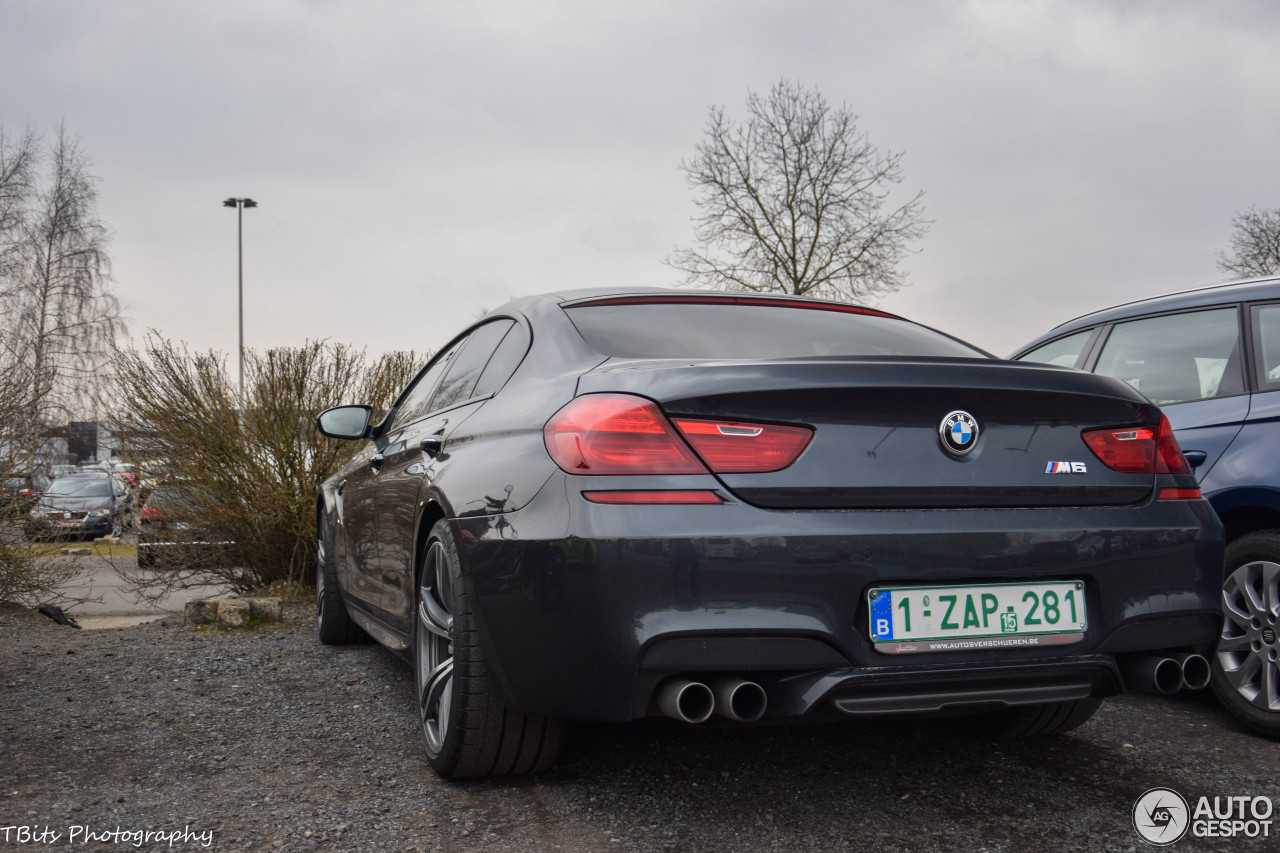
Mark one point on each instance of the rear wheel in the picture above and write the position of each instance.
(333, 624)
(1026, 721)
(467, 729)
(1246, 665)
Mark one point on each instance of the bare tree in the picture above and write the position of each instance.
(59, 315)
(17, 182)
(1255, 244)
(796, 200)
(57, 322)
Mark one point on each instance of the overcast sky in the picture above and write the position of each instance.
(419, 162)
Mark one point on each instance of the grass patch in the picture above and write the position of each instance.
(54, 549)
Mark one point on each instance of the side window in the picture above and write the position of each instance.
(1177, 357)
(1266, 331)
(414, 404)
(504, 362)
(1064, 352)
(461, 377)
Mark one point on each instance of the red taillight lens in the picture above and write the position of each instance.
(1169, 456)
(617, 434)
(1139, 450)
(654, 497)
(1131, 450)
(744, 448)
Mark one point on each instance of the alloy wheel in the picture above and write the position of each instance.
(320, 558)
(434, 658)
(1249, 650)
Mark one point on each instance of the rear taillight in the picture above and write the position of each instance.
(733, 447)
(1139, 450)
(1169, 456)
(617, 434)
(1131, 450)
(623, 434)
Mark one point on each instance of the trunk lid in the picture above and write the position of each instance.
(877, 422)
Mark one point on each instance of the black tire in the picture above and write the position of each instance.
(1245, 665)
(467, 729)
(1027, 721)
(334, 625)
(146, 559)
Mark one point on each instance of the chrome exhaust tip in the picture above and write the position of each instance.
(1195, 671)
(682, 699)
(737, 699)
(1152, 674)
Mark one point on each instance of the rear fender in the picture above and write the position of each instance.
(1247, 509)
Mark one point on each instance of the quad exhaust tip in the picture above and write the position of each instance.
(1165, 674)
(1195, 671)
(744, 701)
(694, 701)
(690, 701)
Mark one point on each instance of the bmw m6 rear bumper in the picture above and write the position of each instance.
(586, 608)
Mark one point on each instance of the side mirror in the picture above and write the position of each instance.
(345, 421)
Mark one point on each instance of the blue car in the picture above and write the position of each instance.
(1210, 358)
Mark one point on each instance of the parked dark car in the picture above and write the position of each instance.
(1211, 359)
(84, 505)
(21, 492)
(167, 529)
(604, 506)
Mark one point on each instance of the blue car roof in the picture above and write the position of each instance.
(1247, 290)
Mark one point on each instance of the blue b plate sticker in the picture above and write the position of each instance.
(881, 616)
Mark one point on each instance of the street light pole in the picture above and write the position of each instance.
(240, 204)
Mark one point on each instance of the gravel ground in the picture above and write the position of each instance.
(270, 741)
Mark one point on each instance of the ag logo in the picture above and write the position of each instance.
(958, 433)
(1161, 816)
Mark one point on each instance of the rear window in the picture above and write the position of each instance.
(702, 330)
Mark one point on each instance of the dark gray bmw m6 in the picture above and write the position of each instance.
(606, 506)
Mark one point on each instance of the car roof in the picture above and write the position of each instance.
(1244, 290)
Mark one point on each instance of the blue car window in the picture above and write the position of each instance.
(1176, 358)
(1064, 352)
(1268, 337)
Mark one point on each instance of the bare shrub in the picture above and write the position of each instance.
(246, 481)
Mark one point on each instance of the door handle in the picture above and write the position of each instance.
(1195, 458)
(375, 461)
(432, 446)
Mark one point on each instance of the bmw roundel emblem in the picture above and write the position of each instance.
(959, 433)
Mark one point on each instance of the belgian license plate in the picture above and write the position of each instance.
(984, 616)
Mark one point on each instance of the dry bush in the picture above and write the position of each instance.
(248, 479)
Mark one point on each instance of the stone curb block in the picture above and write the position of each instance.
(230, 612)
